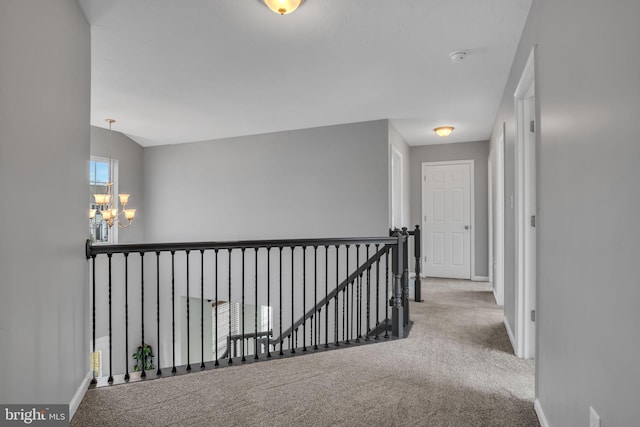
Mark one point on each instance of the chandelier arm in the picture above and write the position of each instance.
(120, 220)
(123, 226)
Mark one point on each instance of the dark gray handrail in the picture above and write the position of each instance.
(92, 250)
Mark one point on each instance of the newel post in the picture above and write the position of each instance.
(397, 315)
(405, 275)
(417, 245)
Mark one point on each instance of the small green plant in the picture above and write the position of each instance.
(144, 355)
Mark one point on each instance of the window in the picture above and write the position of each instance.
(101, 172)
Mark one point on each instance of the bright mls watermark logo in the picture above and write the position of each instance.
(39, 415)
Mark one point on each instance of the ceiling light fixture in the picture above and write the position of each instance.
(107, 206)
(443, 130)
(283, 7)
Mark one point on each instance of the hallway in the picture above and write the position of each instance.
(456, 368)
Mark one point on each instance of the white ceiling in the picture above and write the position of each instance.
(174, 71)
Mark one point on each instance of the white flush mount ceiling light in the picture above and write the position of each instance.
(443, 130)
(458, 56)
(283, 7)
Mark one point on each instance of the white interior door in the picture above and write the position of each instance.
(396, 189)
(446, 209)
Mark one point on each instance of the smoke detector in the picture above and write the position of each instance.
(458, 56)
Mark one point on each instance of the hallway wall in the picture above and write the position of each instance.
(588, 97)
(44, 153)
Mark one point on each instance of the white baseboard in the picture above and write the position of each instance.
(495, 296)
(77, 398)
(479, 278)
(540, 413)
(511, 336)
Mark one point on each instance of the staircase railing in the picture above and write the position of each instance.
(351, 279)
(354, 279)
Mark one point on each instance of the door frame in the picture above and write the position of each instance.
(525, 259)
(490, 162)
(496, 218)
(472, 190)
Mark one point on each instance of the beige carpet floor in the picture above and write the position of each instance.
(456, 368)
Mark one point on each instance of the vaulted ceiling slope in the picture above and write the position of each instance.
(191, 70)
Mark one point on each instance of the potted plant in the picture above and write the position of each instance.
(143, 357)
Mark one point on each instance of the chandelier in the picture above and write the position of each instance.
(107, 204)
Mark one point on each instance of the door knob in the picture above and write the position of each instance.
(466, 227)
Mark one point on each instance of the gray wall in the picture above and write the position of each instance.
(130, 166)
(588, 96)
(322, 182)
(44, 152)
(477, 151)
